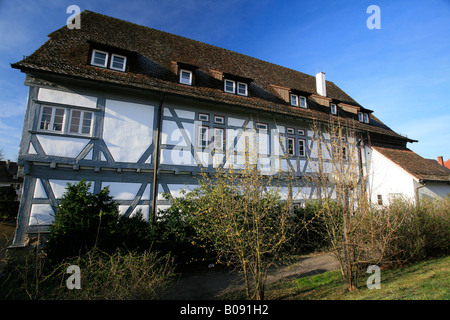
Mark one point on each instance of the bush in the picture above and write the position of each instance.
(9, 206)
(425, 232)
(120, 275)
(84, 220)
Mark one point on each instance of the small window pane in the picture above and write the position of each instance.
(242, 89)
(294, 100)
(219, 120)
(75, 121)
(100, 58)
(59, 119)
(303, 102)
(218, 139)
(290, 146)
(229, 86)
(301, 148)
(46, 118)
(186, 77)
(118, 63)
(203, 137)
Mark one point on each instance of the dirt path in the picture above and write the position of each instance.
(210, 285)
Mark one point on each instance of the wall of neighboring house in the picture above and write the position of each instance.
(432, 190)
(385, 179)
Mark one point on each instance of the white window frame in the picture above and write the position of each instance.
(295, 102)
(112, 61)
(80, 125)
(301, 132)
(219, 120)
(290, 130)
(300, 98)
(189, 83)
(333, 108)
(203, 117)
(360, 117)
(219, 132)
(105, 65)
(290, 140)
(245, 93)
(262, 126)
(366, 118)
(225, 86)
(52, 119)
(200, 141)
(301, 154)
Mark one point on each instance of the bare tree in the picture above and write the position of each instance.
(358, 234)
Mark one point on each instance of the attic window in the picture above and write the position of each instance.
(229, 86)
(186, 77)
(333, 109)
(363, 117)
(99, 58)
(242, 89)
(118, 62)
(298, 101)
(366, 118)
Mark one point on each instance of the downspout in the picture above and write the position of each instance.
(417, 191)
(156, 153)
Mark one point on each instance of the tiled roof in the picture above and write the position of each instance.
(151, 57)
(421, 168)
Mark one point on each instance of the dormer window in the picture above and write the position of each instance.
(366, 118)
(294, 100)
(242, 89)
(236, 85)
(186, 77)
(298, 101)
(229, 86)
(109, 60)
(363, 117)
(118, 62)
(303, 102)
(360, 117)
(99, 58)
(333, 108)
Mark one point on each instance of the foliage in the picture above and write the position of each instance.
(85, 220)
(119, 275)
(241, 214)
(9, 206)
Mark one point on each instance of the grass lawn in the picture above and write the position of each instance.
(426, 280)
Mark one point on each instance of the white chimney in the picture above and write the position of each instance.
(320, 84)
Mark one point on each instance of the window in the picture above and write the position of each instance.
(303, 102)
(301, 132)
(229, 86)
(219, 120)
(360, 116)
(218, 139)
(242, 89)
(301, 148)
(118, 62)
(333, 109)
(203, 136)
(366, 118)
(52, 119)
(203, 117)
(80, 122)
(186, 77)
(294, 100)
(261, 126)
(380, 199)
(290, 146)
(99, 58)
(290, 130)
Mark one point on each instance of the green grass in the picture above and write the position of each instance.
(426, 280)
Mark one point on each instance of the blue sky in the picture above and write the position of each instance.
(401, 71)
